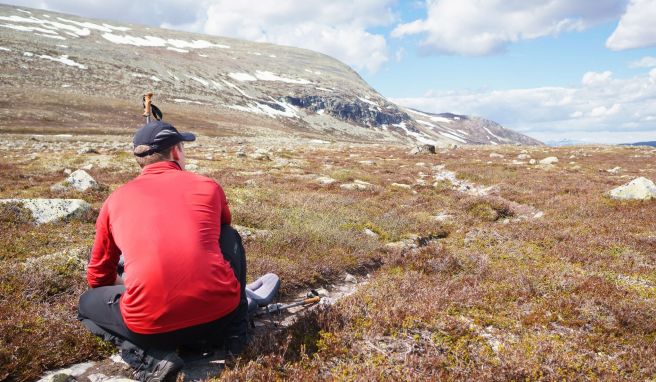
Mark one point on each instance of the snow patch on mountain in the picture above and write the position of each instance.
(242, 77)
(268, 76)
(64, 60)
(452, 136)
(282, 109)
(153, 41)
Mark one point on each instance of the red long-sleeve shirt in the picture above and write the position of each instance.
(166, 223)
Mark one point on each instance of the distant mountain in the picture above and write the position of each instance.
(69, 72)
(566, 142)
(649, 143)
(468, 130)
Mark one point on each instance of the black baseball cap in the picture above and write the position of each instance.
(159, 136)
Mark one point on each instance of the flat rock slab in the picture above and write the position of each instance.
(49, 210)
(637, 189)
(359, 185)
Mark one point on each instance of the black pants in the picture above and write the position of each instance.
(99, 311)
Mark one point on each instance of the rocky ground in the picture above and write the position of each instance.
(486, 263)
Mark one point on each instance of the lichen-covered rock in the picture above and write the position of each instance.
(78, 180)
(261, 154)
(401, 185)
(359, 185)
(325, 180)
(48, 210)
(549, 160)
(637, 189)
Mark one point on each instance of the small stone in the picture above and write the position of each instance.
(532, 161)
(614, 170)
(370, 233)
(359, 185)
(401, 185)
(549, 160)
(350, 279)
(423, 149)
(62, 377)
(496, 155)
(523, 156)
(191, 167)
(402, 244)
(325, 180)
(97, 377)
(262, 156)
(88, 150)
(442, 217)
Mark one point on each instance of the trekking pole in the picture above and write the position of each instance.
(278, 308)
(147, 102)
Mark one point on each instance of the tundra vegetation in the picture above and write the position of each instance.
(488, 292)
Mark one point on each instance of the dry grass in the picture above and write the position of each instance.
(569, 296)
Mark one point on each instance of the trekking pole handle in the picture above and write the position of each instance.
(148, 99)
(312, 300)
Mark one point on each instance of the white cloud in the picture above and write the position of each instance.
(645, 62)
(622, 110)
(637, 28)
(481, 27)
(595, 78)
(339, 28)
(603, 111)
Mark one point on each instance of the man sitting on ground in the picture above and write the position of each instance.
(185, 267)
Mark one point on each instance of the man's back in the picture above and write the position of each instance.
(166, 223)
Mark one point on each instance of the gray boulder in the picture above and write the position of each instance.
(48, 210)
(78, 180)
(358, 185)
(325, 180)
(549, 160)
(637, 189)
(423, 149)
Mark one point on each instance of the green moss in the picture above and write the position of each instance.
(483, 211)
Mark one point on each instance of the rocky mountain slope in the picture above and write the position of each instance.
(69, 72)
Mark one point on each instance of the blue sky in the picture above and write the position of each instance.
(553, 69)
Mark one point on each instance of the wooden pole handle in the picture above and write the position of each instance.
(311, 300)
(148, 99)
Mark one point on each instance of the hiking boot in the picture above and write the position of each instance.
(234, 345)
(159, 366)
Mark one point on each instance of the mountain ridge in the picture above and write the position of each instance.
(257, 85)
